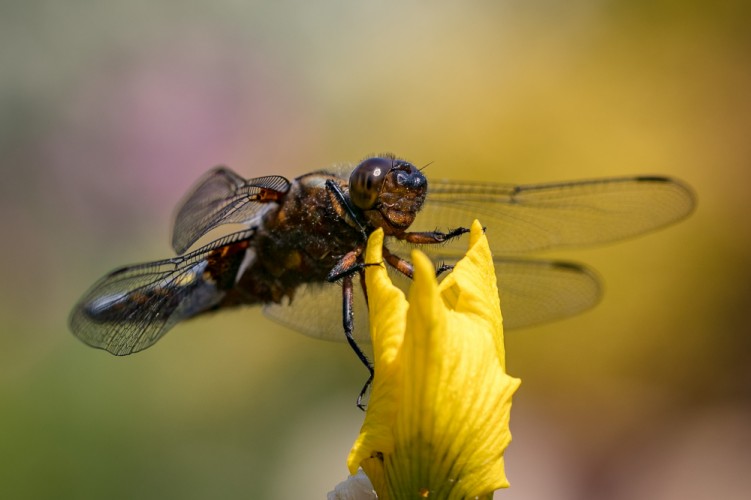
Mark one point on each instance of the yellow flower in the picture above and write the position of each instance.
(438, 415)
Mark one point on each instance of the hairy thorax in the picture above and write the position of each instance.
(300, 242)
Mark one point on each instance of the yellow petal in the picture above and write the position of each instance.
(388, 318)
(438, 416)
(471, 287)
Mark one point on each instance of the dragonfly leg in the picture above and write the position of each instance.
(443, 268)
(348, 265)
(401, 265)
(432, 237)
(360, 404)
(343, 201)
(405, 267)
(348, 321)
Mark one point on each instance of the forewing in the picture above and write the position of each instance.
(523, 219)
(224, 197)
(134, 306)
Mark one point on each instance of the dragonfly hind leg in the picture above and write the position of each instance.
(348, 322)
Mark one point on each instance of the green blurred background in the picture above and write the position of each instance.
(111, 110)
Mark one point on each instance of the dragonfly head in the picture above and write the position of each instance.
(389, 191)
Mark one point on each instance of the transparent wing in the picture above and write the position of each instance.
(523, 219)
(532, 292)
(223, 197)
(538, 291)
(317, 311)
(134, 306)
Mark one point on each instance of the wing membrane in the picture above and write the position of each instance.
(529, 218)
(316, 311)
(539, 291)
(134, 306)
(223, 197)
(532, 292)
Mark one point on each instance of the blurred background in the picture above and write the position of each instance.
(110, 110)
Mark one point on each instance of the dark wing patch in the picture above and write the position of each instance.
(223, 197)
(134, 306)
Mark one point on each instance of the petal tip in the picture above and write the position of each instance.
(374, 251)
(476, 231)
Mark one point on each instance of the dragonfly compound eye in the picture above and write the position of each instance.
(366, 181)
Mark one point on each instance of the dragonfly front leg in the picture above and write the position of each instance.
(422, 238)
(346, 209)
(432, 237)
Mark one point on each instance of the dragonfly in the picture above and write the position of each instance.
(298, 250)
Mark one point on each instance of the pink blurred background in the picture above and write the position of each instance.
(111, 110)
